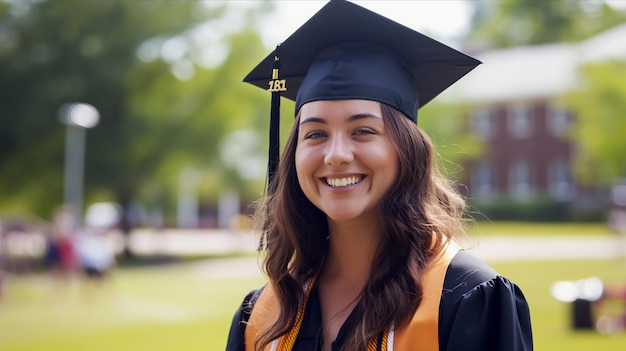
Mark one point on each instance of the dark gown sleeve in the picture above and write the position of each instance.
(482, 311)
(236, 340)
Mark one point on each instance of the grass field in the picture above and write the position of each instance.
(174, 307)
(551, 318)
(181, 307)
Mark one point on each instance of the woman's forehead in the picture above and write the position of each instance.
(340, 108)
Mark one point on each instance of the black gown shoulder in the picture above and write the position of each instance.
(481, 310)
(235, 341)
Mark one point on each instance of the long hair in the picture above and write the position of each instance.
(418, 214)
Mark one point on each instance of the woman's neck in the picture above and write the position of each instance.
(352, 248)
(345, 273)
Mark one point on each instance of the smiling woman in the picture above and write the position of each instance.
(345, 161)
(359, 226)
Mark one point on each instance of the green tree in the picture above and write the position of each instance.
(62, 52)
(599, 105)
(158, 115)
(454, 145)
(186, 121)
(509, 23)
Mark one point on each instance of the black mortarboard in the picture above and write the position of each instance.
(348, 52)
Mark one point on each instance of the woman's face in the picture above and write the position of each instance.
(345, 159)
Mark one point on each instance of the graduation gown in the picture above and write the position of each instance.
(479, 310)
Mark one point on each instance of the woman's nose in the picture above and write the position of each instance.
(339, 151)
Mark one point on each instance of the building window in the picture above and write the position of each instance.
(520, 121)
(521, 181)
(482, 123)
(483, 182)
(557, 120)
(560, 185)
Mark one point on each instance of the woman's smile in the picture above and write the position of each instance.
(342, 182)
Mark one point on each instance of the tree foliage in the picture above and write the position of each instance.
(454, 144)
(599, 105)
(509, 23)
(154, 120)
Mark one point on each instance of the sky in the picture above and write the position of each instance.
(444, 20)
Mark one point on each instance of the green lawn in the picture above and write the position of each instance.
(176, 307)
(551, 318)
(166, 308)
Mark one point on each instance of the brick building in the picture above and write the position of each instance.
(515, 112)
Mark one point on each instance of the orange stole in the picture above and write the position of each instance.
(422, 332)
(264, 314)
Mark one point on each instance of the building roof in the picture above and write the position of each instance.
(532, 72)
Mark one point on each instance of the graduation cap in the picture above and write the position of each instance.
(348, 52)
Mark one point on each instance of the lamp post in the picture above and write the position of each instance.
(78, 117)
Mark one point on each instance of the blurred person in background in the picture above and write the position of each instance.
(616, 220)
(96, 254)
(3, 283)
(3, 263)
(96, 258)
(60, 256)
(359, 228)
(609, 311)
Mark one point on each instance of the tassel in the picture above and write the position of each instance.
(276, 86)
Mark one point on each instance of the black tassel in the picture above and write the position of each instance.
(276, 86)
(274, 149)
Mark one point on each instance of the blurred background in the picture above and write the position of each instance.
(131, 156)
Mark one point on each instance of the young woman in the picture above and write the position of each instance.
(359, 226)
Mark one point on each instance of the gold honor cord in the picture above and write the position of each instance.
(372, 345)
(288, 340)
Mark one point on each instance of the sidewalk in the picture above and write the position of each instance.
(187, 242)
(498, 249)
(224, 242)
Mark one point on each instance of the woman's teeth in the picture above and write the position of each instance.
(346, 181)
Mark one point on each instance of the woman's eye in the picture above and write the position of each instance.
(314, 135)
(364, 131)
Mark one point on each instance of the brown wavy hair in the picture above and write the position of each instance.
(420, 205)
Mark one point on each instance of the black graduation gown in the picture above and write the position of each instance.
(479, 311)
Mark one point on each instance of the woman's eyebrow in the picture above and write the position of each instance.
(362, 116)
(312, 120)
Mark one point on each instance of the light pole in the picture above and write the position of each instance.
(78, 117)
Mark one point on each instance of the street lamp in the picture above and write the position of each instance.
(78, 117)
